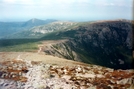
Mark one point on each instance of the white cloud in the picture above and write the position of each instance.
(60, 2)
(44, 2)
(109, 4)
(122, 3)
(118, 5)
(25, 2)
(9, 1)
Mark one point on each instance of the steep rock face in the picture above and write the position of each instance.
(108, 44)
(63, 50)
(103, 43)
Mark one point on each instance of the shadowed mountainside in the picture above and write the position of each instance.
(107, 43)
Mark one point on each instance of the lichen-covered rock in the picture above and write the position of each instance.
(45, 76)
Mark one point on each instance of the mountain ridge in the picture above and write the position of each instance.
(39, 31)
(8, 28)
(96, 42)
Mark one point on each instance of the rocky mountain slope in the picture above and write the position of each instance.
(107, 43)
(20, 73)
(9, 28)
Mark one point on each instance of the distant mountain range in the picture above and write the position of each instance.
(40, 31)
(9, 28)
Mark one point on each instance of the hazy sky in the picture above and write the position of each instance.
(85, 10)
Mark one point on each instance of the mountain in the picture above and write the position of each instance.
(39, 31)
(9, 28)
(105, 43)
(36, 22)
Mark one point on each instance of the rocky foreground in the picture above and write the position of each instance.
(24, 74)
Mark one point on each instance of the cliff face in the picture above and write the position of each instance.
(107, 43)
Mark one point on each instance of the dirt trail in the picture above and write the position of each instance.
(48, 44)
(40, 48)
(39, 55)
(47, 59)
(18, 57)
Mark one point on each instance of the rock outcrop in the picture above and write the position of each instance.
(37, 75)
